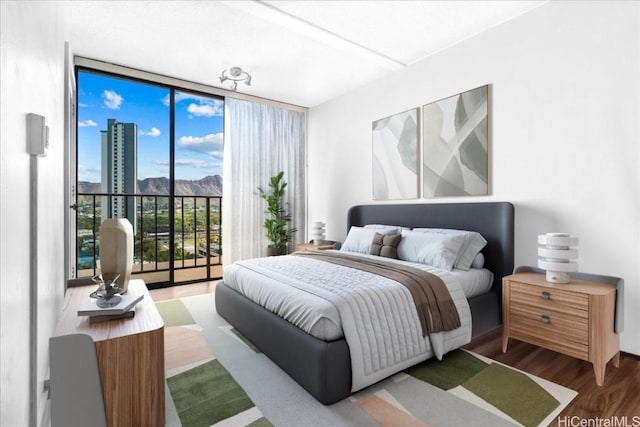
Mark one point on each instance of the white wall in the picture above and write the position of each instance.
(565, 94)
(31, 81)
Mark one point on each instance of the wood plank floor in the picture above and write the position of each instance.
(183, 290)
(618, 397)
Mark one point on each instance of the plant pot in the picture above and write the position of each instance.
(276, 250)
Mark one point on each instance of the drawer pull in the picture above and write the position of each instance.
(545, 319)
(545, 295)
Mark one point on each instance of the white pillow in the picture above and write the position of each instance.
(386, 229)
(473, 244)
(437, 250)
(358, 240)
(478, 261)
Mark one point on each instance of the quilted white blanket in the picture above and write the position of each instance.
(378, 316)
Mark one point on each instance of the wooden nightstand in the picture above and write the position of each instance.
(576, 319)
(313, 247)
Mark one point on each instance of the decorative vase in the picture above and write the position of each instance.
(116, 249)
(276, 250)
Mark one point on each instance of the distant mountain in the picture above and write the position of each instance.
(207, 186)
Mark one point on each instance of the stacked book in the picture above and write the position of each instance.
(124, 309)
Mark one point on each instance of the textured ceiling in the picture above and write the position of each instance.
(299, 52)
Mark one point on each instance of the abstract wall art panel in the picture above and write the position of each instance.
(395, 156)
(455, 145)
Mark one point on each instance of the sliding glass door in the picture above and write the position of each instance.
(198, 155)
(151, 154)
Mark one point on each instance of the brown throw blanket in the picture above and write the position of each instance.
(434, 305)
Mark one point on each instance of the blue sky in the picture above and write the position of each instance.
(199, 125)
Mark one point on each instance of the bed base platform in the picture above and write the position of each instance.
(320, 367)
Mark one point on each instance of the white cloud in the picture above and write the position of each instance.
(198, 164)
(181, 96)
(153, 132)
(203, 106)
(112, 100)
(89, 173)
(87, 124)
(207, 109)
(88, 169)
(194, 163)
(209, 144)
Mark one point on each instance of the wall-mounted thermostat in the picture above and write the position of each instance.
(37, 135)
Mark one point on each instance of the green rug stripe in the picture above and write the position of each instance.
(260, 422)
(206, 395)
(174, 313)
(513, 393)
(245, 340)
(455, 368)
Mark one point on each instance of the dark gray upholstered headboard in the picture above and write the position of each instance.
(494, 220)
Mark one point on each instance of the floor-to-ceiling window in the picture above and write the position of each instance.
(152, 154)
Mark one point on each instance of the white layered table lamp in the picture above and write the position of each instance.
(555, 255)
(317, 232)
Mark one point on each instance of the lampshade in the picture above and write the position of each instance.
(317, 231)
(555, 255)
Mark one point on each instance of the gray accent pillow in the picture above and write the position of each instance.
(385, 245)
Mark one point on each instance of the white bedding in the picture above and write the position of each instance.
(376, 315)
(475, 281)
(317, 316)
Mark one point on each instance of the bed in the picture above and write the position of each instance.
(323, 366)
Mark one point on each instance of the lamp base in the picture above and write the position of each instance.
(558, 277)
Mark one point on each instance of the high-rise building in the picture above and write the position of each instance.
(119, 169)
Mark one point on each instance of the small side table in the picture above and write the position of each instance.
(314, 247)
(576, 319)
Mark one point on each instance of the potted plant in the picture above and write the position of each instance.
(277, 222)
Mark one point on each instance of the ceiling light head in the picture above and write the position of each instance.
(235, 71)
(235, 75)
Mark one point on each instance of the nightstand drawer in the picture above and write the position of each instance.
(554, 325)
(567, 302)
(559, 343)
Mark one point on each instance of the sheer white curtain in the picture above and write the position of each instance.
(260, 141)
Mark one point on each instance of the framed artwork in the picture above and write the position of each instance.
(455, 145)
(395, 156)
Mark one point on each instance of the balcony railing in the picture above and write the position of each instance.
(197, 234)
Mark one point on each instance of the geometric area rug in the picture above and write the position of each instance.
(216, 377)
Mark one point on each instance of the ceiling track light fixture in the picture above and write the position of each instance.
(235, 75)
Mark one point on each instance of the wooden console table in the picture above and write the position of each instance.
(116, 363)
